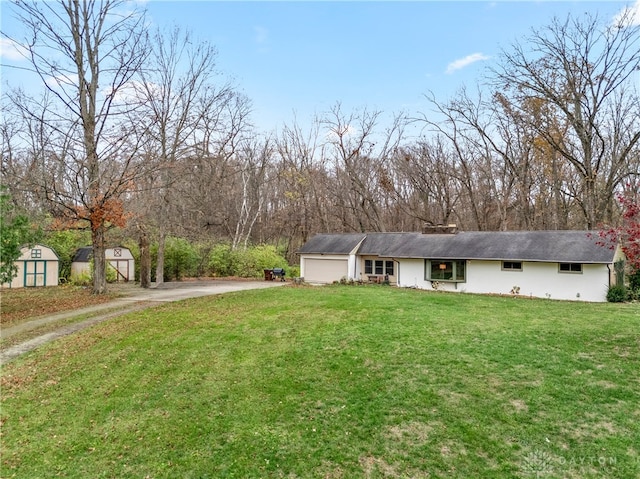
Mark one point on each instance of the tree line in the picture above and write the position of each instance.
(137, 131)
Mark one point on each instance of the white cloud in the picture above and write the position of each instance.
(10, 50)
(628, 16)
(465, 62)
(135, 92)
(62, 81)
(262, 34)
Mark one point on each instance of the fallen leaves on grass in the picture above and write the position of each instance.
(25, 303)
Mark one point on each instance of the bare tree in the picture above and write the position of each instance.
(581, 69)
(13, 168)
(178, 91)
(545, 192)
(212, 184)
(480, 171)
(498, 158)
(253, 159)
(360, 156)
(301, 185)
(426, 184)
(85, 53)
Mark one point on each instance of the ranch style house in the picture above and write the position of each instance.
(568, 265)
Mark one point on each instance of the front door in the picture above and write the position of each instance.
(35, 273)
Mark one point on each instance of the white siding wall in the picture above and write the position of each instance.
(323, 268)
(79, 268)
(536, 279)
(411, 274)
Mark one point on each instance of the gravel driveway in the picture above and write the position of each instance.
(133, 299)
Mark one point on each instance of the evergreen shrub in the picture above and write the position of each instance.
(617, 293)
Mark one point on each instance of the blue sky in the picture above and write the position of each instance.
(300, 58)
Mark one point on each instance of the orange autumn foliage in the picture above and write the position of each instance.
(106, 212)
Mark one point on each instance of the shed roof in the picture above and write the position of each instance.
(83, 255)
(552, 246)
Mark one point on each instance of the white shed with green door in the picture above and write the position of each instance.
(37, 266)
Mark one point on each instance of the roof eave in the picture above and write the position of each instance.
(530, 260)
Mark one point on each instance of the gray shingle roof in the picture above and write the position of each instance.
(388, 244)
(83, 255)
(553, 246)
(333, 243)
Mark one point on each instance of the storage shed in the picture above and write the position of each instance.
(37, 266)
(119, 259)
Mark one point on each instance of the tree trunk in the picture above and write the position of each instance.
(160, 259)
(99, 262)
(145, 260)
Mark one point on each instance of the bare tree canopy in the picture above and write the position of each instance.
(178, 94)
(569, 82)
(557, 136)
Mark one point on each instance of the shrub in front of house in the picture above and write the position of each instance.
(633, 291)
(617, 293)
(293, 271)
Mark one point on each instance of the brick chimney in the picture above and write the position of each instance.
(450, 229)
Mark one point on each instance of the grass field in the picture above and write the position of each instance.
(333, 382)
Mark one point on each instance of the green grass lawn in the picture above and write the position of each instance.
(334, 382)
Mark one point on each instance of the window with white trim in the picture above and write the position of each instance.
(512, 265)
(378, 267)
(368, 266)
(388, 268)
(570, 267)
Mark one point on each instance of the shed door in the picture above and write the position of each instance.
(35, 273)
(325, 270)
(122, 269)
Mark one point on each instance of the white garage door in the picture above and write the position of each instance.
(324, 270)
